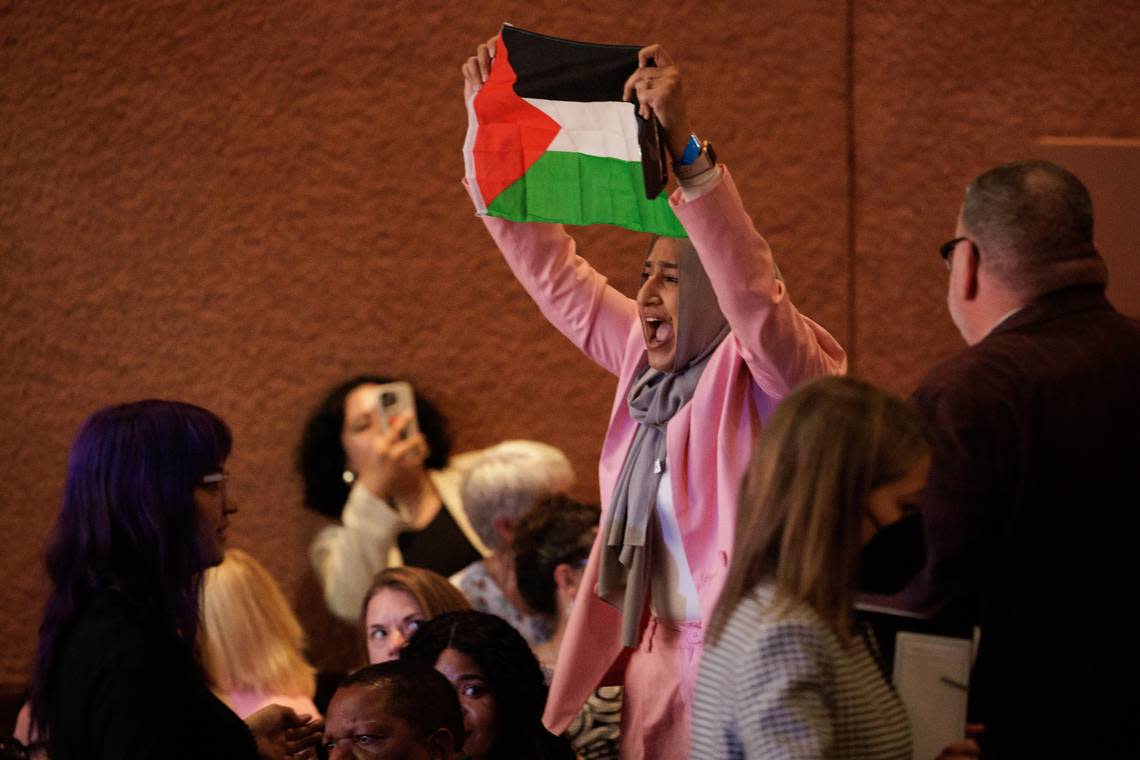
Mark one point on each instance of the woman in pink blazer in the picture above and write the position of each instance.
(703, 354)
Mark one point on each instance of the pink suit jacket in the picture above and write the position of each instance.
(770, 350)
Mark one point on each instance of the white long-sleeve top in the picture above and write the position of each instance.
(347, 555)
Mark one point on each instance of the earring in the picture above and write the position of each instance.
(348, 476)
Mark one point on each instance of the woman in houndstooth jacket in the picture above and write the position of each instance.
(827, 506)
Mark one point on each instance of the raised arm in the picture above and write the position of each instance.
(573, 296)
(346, 556)
(781, 347)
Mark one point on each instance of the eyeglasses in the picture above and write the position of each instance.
(216, 480)
(947, 248)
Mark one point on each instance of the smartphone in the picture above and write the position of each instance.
(395, 400)
(653, 157)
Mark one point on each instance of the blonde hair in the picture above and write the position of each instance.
(507, 479)
(251, 640)
(799, 518)
(433, 593)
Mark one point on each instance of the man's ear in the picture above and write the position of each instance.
(971, 261)
(441, 744)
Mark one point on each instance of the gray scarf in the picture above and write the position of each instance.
(653, 398)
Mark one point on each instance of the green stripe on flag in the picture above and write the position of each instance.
(549, 192)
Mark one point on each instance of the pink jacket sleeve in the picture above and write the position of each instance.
(781, 347)
(571, 294)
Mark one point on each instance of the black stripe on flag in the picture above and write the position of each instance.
(556, 69)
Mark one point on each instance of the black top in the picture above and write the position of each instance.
(440, 546)
(124, 688)
(1031, 517)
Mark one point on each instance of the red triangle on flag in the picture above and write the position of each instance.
(512, 133)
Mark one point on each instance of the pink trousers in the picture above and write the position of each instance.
(659, 681)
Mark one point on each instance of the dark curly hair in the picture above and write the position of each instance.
(511, 671)
(321, 459)
(557, 530)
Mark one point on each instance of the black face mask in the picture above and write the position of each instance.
(893, 556)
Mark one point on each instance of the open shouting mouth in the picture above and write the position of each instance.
(658, 331)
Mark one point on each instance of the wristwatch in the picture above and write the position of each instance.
(704, 160)
(692, 150)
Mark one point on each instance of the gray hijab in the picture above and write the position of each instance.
(653, 398)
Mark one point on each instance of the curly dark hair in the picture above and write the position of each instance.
(511, 671)
(557, 530)
(321, 459)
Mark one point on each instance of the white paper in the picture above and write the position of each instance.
(931, 675)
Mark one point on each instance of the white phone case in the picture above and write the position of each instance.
(394, 400)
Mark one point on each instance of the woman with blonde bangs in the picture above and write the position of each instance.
(252, 641)
(398, 602)
(827, 509)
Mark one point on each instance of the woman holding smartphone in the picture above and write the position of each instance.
(395, 498)
(702, 354)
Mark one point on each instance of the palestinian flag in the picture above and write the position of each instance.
(549, 138)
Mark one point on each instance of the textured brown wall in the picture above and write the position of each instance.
(239, 204)
(943, 92)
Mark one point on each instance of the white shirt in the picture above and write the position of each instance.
(673, 595)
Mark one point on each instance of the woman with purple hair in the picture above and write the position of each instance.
(118, 672)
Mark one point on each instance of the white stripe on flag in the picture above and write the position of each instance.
(606, 129)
